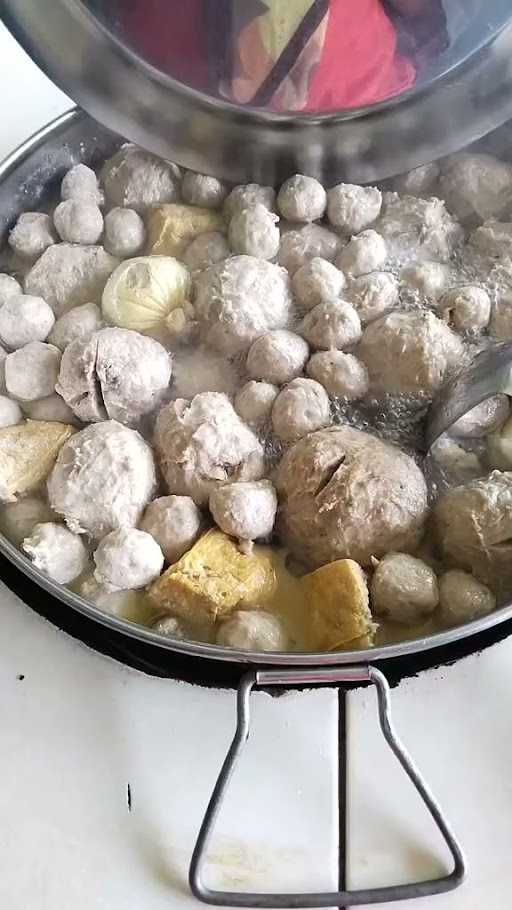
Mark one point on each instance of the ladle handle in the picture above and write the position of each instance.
(330, 675)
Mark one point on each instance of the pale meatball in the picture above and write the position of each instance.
(201, 444)
(200, 189)
(300, 408)
(254, 232)
(302, 198)
(32, 371)
(67, 275)
(116, 374)
(493, 238)
(10, 412)
(409, 353)
(199, 370)
(485, 418)
(403, 589)
(429, 278)
(76, 325)
(130, 605)
(238, 300)
(245, 510)
(246, 195)
(499, 448)
(364, 253)
(56, 552)
(353, 208)
(9, 287)
(51, 408)
(332, 325)
(373, 295)
(467, 308)
(345, 494)
(32, 234)
(342, 375)
(454, 461)
(317, 281)
(171, 627)
(103, 479)
(127, 559)
(419, 228)
(309, 242)
(78, 222)
(463, 598)
(476, 186)
(206, 250)
(18, 519)
(175, 522)
(81, 183)
(255, 401)
(277, 357)
(137, 179)
(473, 526)
(3, 356)
(252, 630)
(422, 181)
(125, 234)
(23, 319)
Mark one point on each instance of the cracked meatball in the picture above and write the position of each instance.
(467, 308)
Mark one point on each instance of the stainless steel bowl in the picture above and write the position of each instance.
(28, 177)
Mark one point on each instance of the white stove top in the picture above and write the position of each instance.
(105, 772)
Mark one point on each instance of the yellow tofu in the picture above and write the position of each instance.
(171, 228)
(213, 579)
(27, 454)
(338, 601)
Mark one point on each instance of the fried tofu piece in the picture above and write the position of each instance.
(171, 228)
(338, 600)
(27, 454)
(213, 579)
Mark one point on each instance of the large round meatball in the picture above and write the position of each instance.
(202, 444)
(404, 589)
(277, 357)
(409, 353)
(103, 479)
(240, 299)
(346, 495)
(301, 407)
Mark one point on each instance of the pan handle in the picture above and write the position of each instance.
(366, 674)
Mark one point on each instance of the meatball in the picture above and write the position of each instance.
(418, 227)
(103, 479)
(309, 242)
(127, 559)
(56, 552)
(8, 288)
(76, 325)
(206, 250)
(485, 418)
(116, 374)
(493, 238)
(301, 407)
(373, 295)
(476, 186)
(404, 589)
(32, 371)
(317, 281)
(32, 234)
(252, 630)
(408, 353)
(499, 448)
(363, 254)
(67, 275)
(247, 195)
(455, 462)
(473, 526)
(24, 319)
(202, 444)
(302, 198)
(175, 522)
(171, 627)
(255, 401)
(78, 222)
(342, 375)
(254, 232)
(353, 208)
(137, 179)
(429, 278)
(277, 357)
(422, 181)
(238, 300)
(199, 189)
(51, 408)
(346, 495)
(332, 325)
(245, 510)
(467, 308)
(125, 234)
(81, 183)
(18, 519)
(3, 357)
(10, 412)
(463, 598)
